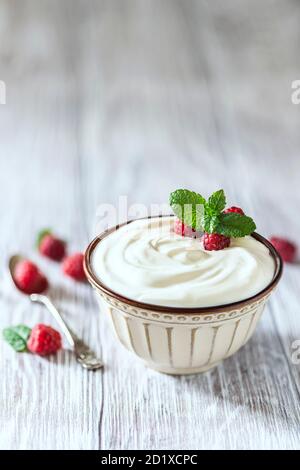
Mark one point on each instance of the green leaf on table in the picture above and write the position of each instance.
(17, 337)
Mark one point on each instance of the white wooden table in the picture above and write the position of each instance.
(138, 97)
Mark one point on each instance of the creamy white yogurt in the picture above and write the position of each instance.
(146, 261)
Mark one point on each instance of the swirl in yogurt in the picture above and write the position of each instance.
(146, 261)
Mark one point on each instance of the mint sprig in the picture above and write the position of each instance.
(17, 337)
(208, 216)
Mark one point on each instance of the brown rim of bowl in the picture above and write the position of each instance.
(179, 310)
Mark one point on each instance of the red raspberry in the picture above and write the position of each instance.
(44, 340)
(238, 210)
(184, 230)
(285, 248)
(41, 284)
(73, 267)
(215, 241)
(29, 279)
(51, 247)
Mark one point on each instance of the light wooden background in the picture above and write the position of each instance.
(138, 97)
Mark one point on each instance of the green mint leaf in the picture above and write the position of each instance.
(23, 331)
(211, 223)
(217, 201)
(235, 225)
(41, 235)
(17, 337)
(188, 207)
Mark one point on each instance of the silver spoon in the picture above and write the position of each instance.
(83, 354)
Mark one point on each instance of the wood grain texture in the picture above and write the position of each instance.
(138, 97)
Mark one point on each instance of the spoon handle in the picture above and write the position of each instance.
(84, 355)
(43, 299)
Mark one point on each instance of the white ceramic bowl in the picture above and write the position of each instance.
(177, 340)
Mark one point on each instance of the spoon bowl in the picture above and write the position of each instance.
(12, 263)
